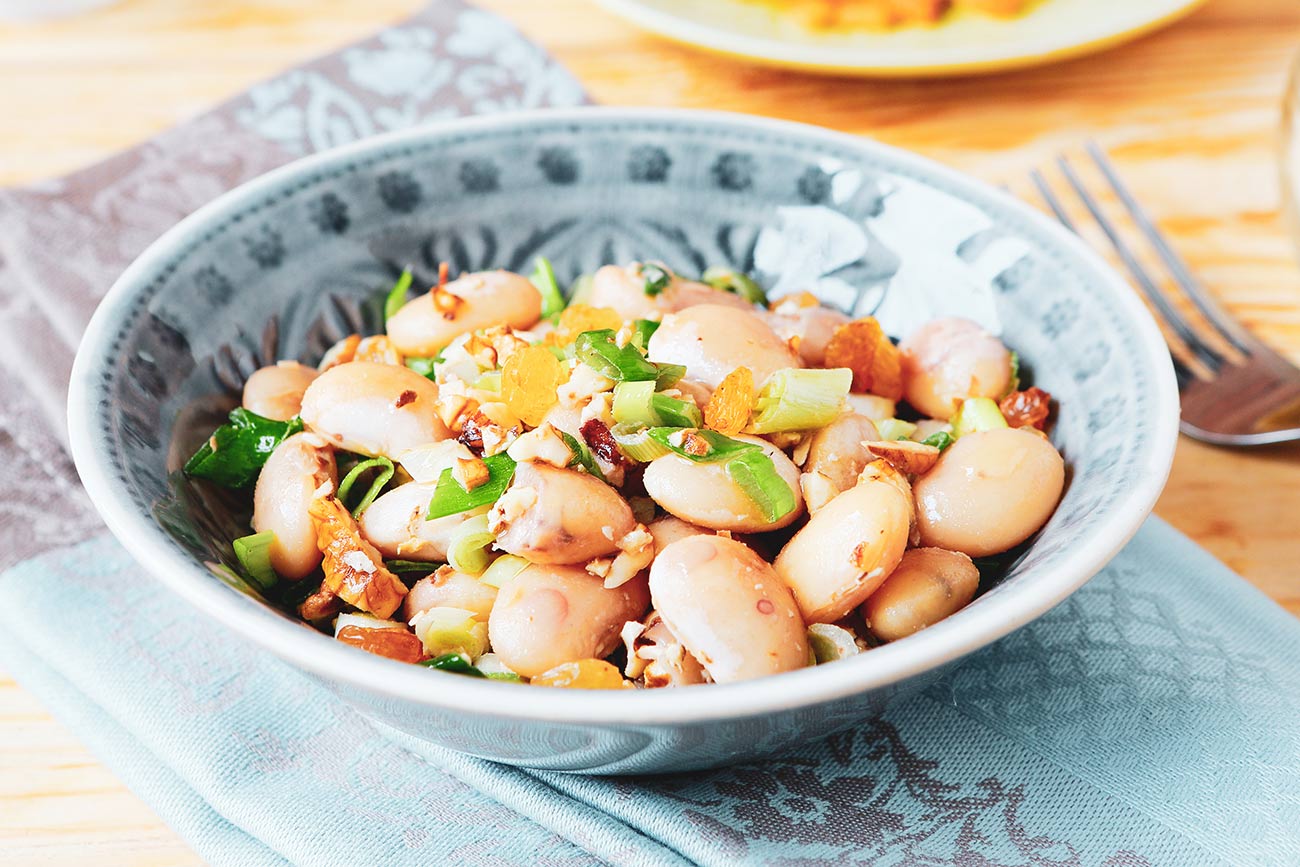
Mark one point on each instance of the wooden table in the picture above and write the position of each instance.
(1190, 113)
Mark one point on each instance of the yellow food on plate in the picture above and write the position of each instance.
(885, 14)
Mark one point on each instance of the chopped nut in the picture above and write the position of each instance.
(690, 441)
(801, 450)
(452, 409)
(340, 353)
(379, 349)
(504, 342)
(791, 304)
(583, 384)
(354, 569)
(905, 456)
(542, 445)
(600, 566)
(817, 490)
(469, 473)
(445, 302)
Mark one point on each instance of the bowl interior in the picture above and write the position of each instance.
(282, 267)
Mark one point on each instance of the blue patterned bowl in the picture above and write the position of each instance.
(870, 229)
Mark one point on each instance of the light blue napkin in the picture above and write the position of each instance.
(1151, 719)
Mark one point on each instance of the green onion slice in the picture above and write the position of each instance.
(635, 442)
(457, 663)
(396, 566)
(582, 456)
(939, 439)
(254, 553)
(543, 278)
(599, 351)
(976, 414)
(1014, 384)
(503, 569)
(642, 331)
(580, 291)
(449, 498)
(795, 399)
(382, 478)
(721, 447)
(422, 366)
(634, 403)
(729, 280)
(234, 454)
(657, 278)
(672, 412)
(396, 298)
(756, 475)
(467, 551)
(895, 429)
(669, 375)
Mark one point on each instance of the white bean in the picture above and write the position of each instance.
(550, 515)
(703, 493)
(846, 550)
(729, 608)
(837, 451)
(623, 289)
(487, 298)
(989, 492)
(548, 615)
(712, 340)
(374, 409)
(948, 360)
(276, 391)
(395, 524)
(447, 588)
(928, 585)
(284, 490)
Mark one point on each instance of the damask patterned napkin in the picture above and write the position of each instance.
(1149, 720)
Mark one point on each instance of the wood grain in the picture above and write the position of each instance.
(1190, 115)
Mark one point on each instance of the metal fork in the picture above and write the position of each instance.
(1240, 393)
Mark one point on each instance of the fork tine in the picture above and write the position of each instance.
(1223, 321)
(1158, 299)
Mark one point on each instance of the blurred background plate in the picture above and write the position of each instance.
(963, 44)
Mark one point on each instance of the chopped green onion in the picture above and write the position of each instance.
(234, 454)
(580, 291)
(721, 448)
(669, 375)
(423, 366)
(642, 331)
(451, 630)
(633, 403)
(976, 414)
(449, 498)
(467, 550)
(635, 442)
(490, 381)
(672, 412)
(544, 279)
(733, 281)
(599, 351)
(254, 553)
(582, 456)
(830, 642)
(794, 399)
(383, 477)
(456, 663)
(657, 278)
(492, 666)
(895, 429)
(503, 569)
(1014, 384)
(409, 566)
(504, 676)
(397, 295)
(939, 439)
(756, 475)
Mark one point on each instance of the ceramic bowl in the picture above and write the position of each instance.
(281, 266)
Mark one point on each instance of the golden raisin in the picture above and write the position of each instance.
(578, 318)
(1030, 407)
(729, 408)
(582, 674)
(393, 643)
(863, 347)
(528, 383)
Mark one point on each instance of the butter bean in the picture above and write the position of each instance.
(374, 409)
(276, 391)
(928, 585)
(551, 515)
(703, 494)
(284, 490)
(712, 340)
(486, 298)
(948, 360)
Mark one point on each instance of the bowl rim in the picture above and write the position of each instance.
(331, 660)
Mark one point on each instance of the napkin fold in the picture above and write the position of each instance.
(1151, 719)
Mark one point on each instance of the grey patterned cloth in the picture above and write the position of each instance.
(63, 242)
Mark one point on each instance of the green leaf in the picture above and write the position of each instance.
(672, 412)
(582, 456)
(721, 447)
(383, 477)
(669, 375)
(543, 278)
(939, 439)
(396, 566)
(1013, 385)
(234, 454)
(456, 663)
(449, 498)
(254, 553)
(729, 280)
(397, 295)
(657, 278)
(756, 475)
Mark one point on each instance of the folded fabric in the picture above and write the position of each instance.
(1151, 719)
